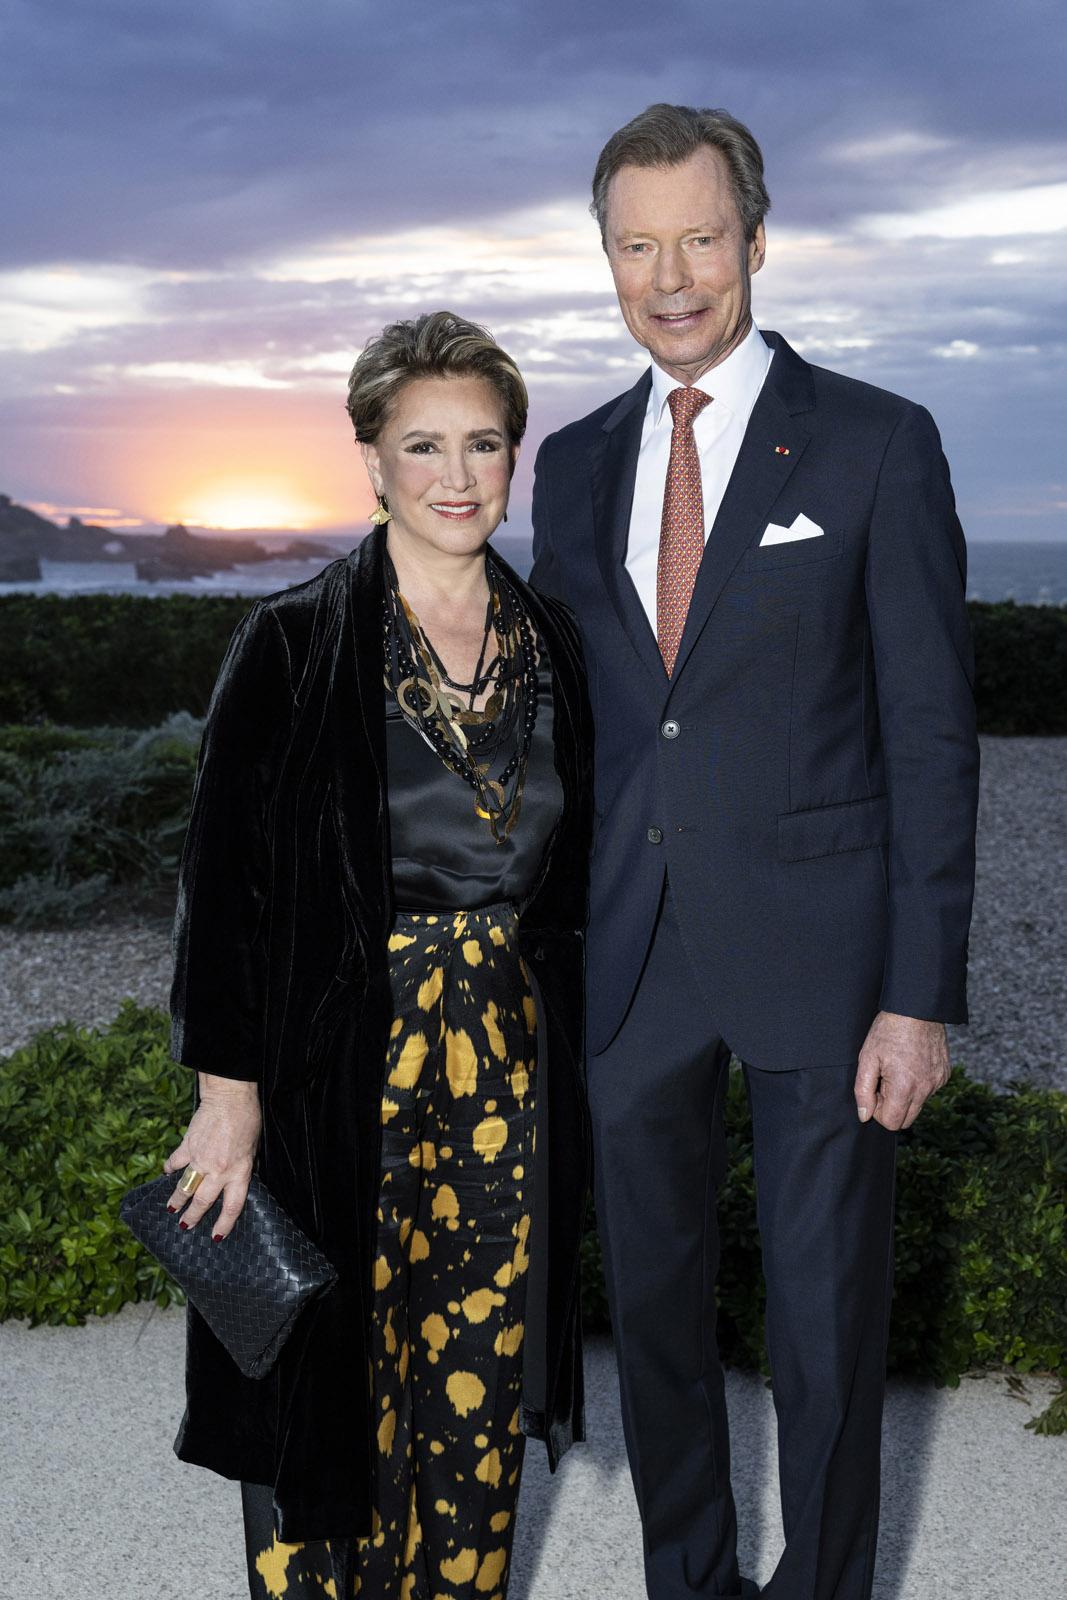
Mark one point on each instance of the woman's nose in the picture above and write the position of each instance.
(457, 471)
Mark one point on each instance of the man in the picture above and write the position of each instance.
(768, 571)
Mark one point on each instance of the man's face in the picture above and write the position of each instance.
(681, 264)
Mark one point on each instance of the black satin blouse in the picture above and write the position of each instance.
(444, 856)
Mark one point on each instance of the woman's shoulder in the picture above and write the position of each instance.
(289, 604)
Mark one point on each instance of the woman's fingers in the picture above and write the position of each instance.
(232, 1186)
(177, 1162)
(206, 1194)
(233, 1200)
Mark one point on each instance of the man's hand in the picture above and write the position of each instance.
(903, 1061)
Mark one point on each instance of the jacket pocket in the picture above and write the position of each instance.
(793, 552)
(830, 830)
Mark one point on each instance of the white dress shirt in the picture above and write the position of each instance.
(734, 387)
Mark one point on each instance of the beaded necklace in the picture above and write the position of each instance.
(470, 742)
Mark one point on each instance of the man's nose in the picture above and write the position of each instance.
(672, 272)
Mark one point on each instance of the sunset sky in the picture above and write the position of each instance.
(207, 209)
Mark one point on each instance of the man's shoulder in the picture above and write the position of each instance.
(578, 434)
(835, 390)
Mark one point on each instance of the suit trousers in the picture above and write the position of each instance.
(824, 1184)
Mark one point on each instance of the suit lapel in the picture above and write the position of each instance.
(760, 473)
(614, 472)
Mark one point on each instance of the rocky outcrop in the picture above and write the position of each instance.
(26, 538)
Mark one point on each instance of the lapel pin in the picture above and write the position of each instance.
(781, 449)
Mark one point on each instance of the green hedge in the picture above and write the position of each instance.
(118, 659)
(89, 814)
(981, 1268)
(134, 659)
(1020, 655)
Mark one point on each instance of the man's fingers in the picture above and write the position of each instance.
(868, 1075)
(918, 1100)
(895, 1106)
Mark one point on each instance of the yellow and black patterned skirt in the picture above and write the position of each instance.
(449, 1275)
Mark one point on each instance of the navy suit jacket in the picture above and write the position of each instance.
(808, 778)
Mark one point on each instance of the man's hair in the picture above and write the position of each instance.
(438, 344)
(665, 136)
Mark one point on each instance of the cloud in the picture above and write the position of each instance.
(996, 214)
(203, 224)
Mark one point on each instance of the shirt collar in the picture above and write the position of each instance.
(735, 383)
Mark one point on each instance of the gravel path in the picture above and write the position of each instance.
(1018, 987)
(93, 1502)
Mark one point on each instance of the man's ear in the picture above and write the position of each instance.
(757, 250)
(371, 461)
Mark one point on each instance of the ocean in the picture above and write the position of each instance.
(1031, 573)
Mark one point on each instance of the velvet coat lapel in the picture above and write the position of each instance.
(285, 891)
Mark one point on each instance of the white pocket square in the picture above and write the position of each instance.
(802, 528)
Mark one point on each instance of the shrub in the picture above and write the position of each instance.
(981, 1267)
(85, 813)
(106, 659)
(85, 1115)
(133, 659)
(1020, 655)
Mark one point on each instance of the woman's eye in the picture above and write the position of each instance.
(486, 446)
(421, 447)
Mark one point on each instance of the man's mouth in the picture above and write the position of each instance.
(455, 510)
(679, 319)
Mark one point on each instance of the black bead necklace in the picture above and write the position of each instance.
(470, 741)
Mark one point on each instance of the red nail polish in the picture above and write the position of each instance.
(215, 1237)
(172, 1208)
(183, 1224)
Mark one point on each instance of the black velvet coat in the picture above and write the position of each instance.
(284, 911)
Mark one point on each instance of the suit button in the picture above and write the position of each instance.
(655, 835)
(671, 729)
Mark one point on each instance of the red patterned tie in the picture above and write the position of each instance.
(681, 535)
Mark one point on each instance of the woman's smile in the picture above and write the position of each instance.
(456, 510)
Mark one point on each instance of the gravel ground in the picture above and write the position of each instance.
(1018, 946)
(1018, 986)
(93, 1502)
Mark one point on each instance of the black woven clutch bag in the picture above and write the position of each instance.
(249, 1287)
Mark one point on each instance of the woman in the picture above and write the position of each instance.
(378, 931)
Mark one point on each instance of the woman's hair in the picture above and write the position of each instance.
(665, 136)
(436, 345)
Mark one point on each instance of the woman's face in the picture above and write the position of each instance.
(444, 464)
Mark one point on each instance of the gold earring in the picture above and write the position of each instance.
(381, 514)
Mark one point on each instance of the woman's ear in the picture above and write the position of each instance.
(514, 458)
(371, 461)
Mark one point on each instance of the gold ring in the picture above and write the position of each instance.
(191, 1180)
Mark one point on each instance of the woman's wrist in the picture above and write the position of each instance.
(228, 1088)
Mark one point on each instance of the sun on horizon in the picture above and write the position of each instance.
(232, 505)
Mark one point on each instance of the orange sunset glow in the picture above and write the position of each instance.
(235, 503)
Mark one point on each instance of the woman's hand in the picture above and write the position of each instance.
(220, 1142)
